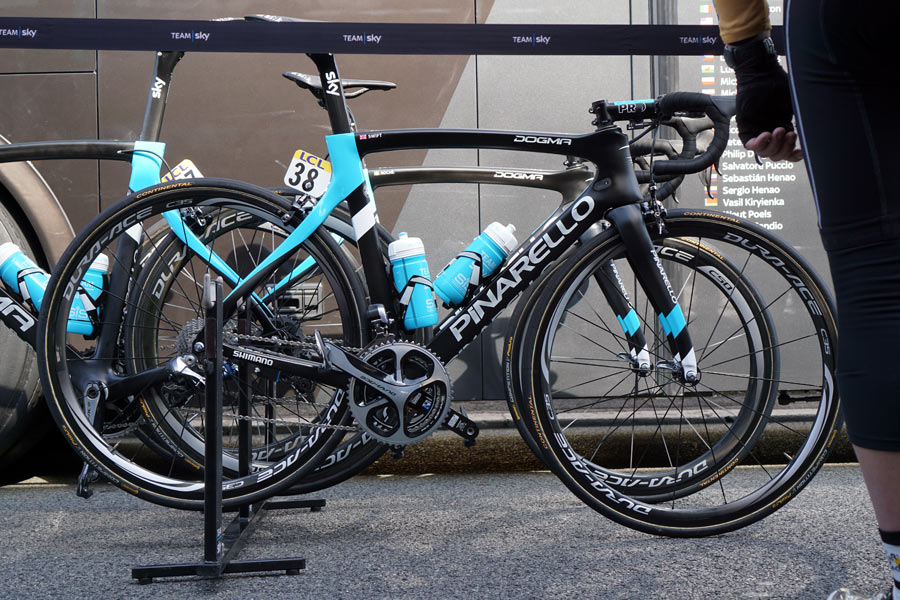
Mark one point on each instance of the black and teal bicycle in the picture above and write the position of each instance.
(665, 323)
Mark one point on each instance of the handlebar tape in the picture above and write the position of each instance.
(719, 110)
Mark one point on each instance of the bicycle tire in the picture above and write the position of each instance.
(138, 473)
(805, 394)
(23, 426)
(745, 306)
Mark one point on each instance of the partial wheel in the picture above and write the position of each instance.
(709, 273)
(24, 421)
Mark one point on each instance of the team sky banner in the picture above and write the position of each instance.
(361, 38)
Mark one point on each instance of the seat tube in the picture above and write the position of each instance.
(362, 207)
(121, 266)
(648, 269)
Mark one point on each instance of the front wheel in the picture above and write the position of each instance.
(712, 456)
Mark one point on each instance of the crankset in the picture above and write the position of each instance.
(409, 397)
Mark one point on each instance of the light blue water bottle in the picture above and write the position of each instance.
(407, 256)
(493, 245)
(22, 276)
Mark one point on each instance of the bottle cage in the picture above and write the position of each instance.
(474, 278)
(406, 294)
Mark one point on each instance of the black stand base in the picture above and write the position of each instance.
(233, 539)
(220, 546)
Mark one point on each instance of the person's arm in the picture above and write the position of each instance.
(741, 20)
(764, 111)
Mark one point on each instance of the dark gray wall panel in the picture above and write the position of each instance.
(49, 107)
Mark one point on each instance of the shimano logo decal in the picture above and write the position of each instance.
(542, 139)
(253, 358)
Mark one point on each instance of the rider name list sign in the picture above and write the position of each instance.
(776, 195)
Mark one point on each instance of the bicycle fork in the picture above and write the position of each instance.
(642, 256)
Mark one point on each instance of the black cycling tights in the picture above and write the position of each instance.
(843, 60)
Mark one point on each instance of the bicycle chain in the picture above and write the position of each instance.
(352, 428)
(296, 344)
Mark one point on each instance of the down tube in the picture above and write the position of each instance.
(522, 267)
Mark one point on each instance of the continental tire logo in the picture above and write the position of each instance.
(712, 215)
(174, 186)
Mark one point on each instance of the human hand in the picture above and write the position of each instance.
(779, 144)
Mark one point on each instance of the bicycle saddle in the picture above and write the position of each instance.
(313, 83)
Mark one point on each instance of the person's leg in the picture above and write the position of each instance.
(881, 471)
(849, 138)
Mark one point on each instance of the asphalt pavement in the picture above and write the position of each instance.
(482, 535)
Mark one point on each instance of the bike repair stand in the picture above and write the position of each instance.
(221, 547)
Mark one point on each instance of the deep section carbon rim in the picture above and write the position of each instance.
(116, 441)
(586, 401)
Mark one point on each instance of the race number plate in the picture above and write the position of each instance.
(186, 169)
(308, 173)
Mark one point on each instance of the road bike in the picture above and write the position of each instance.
(399, 392)
(186, 448)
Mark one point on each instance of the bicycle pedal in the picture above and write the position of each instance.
(87, 476)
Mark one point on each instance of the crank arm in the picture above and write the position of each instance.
(336, 358)
(460, 424)
(289, 365)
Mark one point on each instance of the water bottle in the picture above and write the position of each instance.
(21, 275)
(493, 245)
(407, 256)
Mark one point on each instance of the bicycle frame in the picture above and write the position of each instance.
(616, 188)
(613, 194)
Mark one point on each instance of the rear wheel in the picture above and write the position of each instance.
(146, 403)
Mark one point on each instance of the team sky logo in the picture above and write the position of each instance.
(157, 89)
(332, 83)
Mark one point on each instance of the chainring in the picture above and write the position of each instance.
(424, 410)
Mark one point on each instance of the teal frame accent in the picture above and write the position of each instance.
(146, 161)
(674, 322)
(348, 174)
(630, 323)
